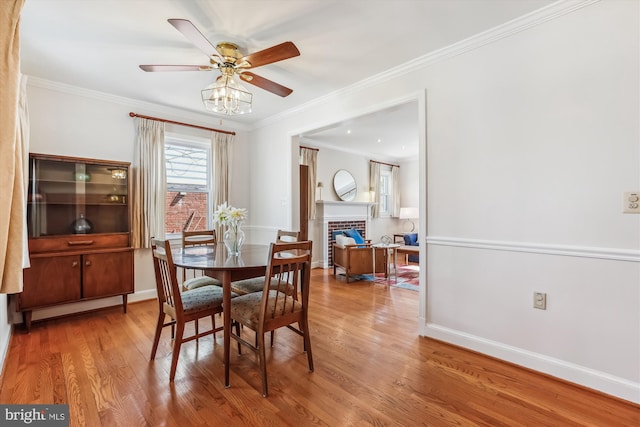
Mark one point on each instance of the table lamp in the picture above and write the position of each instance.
(409, 214)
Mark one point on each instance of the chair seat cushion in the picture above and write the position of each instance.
(199, 299)
(246, 308)
(196, 282)
(249, 286)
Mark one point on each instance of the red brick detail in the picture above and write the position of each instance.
(360, 225)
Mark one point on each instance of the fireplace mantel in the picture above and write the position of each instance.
(327, 210)
(330, 214)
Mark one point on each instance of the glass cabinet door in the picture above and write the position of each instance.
(77, 197)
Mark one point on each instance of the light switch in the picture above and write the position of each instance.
(631, 202)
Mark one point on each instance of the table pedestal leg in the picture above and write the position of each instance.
(226, 315)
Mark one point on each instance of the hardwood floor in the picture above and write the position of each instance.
(371, 368)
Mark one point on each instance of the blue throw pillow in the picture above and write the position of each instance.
(353, 233)
(411, 239)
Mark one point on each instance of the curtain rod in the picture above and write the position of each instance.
(132, 114)
(310, 148)
(383, 163)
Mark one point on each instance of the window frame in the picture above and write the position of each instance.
(189, 141)
(387, 195)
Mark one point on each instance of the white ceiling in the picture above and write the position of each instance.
(98, 45)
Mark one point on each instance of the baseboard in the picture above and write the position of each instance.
(5, 340)
(84, 306)
(590, 378)
(319, 264)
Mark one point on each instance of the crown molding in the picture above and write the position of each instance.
(146, 107)
(517, 25)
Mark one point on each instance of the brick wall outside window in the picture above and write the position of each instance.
(176, 216)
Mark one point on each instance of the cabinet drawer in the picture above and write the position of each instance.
(78, 242)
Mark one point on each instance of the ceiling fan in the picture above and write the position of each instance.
(226, 57)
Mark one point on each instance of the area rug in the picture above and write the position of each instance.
(407, 278)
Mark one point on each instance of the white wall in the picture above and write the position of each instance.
(532, 137)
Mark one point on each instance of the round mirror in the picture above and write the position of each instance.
(345, 185)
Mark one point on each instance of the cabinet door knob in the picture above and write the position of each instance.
(87, 263)
(74, 264)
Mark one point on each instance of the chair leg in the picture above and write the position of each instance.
(196, 321)
(307, 342)
(213, 326)
(176, 350)
(263, 363)
(156, 337)
(238, 327)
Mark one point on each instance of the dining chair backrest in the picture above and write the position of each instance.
(192, 278)
(198, 238)
(289, 268)
(285, 236)
(166, 279)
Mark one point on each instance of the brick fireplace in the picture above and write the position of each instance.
(332, 216)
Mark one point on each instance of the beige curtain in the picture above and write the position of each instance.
(221, 150)
(12, 152)
(150, 183)
(374, 185)
(395, 182)
(309, 157)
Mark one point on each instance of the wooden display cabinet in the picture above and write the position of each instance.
(79, 223)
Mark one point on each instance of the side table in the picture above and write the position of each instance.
(392, 251)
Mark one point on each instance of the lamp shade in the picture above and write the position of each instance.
(409, 213)
(227, 97)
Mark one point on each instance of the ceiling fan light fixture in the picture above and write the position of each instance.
(225, 96)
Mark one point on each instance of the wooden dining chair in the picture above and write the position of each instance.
(276, 306)
(197, 277)
(180, 307)
(255, 284)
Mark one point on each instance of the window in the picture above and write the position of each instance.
(386, 196)
(188, 198)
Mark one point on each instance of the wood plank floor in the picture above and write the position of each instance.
(371, 369)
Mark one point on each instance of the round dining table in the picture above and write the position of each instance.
(215, 261)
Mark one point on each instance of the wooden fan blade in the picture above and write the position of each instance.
(195, 36)
(265, 84)
(270, 55)
(176, 67)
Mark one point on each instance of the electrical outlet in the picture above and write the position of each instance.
(540, 300)
(631, 202)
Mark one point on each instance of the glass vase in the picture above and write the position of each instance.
(233, 240)
(82, 225)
